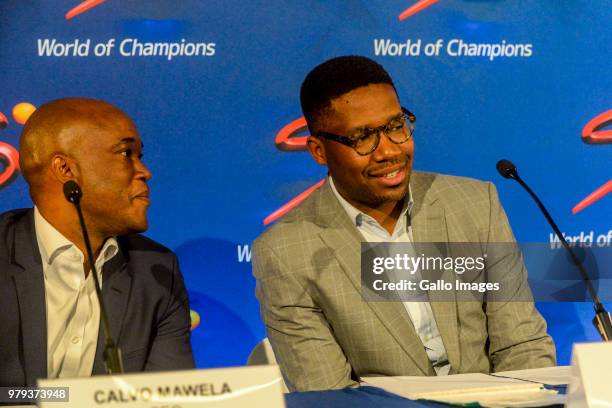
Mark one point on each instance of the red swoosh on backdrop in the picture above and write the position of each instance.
(11, 156)
(291, 204)
(415, 8)
(592, 134)
(3, 121)
(286, 141)
(82, 7)
(594, 196)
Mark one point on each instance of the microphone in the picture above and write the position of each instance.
(112, 353)
(507, 169)
(72, 192)
(602, 320)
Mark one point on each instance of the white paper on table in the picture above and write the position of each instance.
(550, 375)
(469, 388)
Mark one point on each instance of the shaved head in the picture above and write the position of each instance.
(54, 129)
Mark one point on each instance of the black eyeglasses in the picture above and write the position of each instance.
(398, 130)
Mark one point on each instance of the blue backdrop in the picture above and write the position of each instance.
(529, 78)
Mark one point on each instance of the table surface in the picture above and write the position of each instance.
(361, 397)
(353, 397)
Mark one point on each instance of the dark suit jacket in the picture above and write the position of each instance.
(143, 292)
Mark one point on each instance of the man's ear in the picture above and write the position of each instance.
(317, 149)
(64, 168)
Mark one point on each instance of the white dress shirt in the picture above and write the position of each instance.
(419, 312)
(73, 312)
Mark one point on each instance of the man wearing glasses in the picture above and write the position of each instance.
(307, 266)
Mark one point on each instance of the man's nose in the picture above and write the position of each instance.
(143, 171)
(386, 149)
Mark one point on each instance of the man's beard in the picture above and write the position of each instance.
(371, 199)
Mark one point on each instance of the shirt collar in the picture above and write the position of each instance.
(358, 216)
(52, 243)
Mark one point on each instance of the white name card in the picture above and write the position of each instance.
(590, 379)
(252, 386)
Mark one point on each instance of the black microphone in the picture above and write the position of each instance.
(112, 353)
(72, 192)
(602, 320)
(507, 169)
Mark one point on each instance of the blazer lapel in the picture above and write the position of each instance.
(342, 237)
(116, 284)
(429, 226)
(30, 286)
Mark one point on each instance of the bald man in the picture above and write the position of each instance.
(49, 314)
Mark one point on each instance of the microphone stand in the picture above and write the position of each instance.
(112, 353)
(602, 320)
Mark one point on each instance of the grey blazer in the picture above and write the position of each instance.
(143, 291)
(325, 336)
